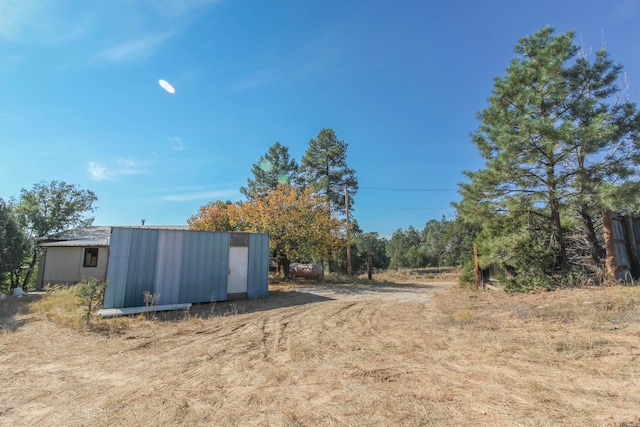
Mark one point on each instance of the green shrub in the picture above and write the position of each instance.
(90, 293)
(467, 276)
(528, 280)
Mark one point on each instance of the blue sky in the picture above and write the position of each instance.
(399, 81)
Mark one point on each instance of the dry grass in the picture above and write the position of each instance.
(569, 357)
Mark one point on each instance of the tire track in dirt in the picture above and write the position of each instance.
(274, 331)
(279, 342)
(271, 334)
(336, 318)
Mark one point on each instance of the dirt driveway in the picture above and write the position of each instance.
(400, 292)
(414, 353)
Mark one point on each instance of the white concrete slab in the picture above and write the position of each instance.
(114, 312)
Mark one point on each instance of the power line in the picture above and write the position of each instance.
(401, 208)
(407, 189)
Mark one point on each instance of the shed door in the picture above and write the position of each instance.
(238, 269)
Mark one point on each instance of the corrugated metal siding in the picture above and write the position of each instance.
(622, 256)
(636, 232)
(180, 266)
(618, 229)
(142, 266)
(204, 273)
(117, 268)
(168, 266)
(258, 274)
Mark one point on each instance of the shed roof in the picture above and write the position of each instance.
(85, 236)
(95, 235)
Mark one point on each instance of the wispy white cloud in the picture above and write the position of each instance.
(18, 17)
(199, 195)
(147, 24)
(134, 49)
(105, 172)
(177, 143)
(43, 21)
(98, 171)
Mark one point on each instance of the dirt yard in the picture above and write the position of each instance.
(420, 352)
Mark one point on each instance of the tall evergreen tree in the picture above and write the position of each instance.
(274, 168)
(457, 242)
(397, 247)
(602, 155)
(371, 241)
(554, 137)
(404, 249)
(433, 242)
(324, 168)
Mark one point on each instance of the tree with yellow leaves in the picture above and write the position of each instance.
(300, 223)
(218, 216)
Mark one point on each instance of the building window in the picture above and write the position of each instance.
(90, 257)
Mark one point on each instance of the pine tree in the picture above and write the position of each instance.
(324, 168)
(554, 136)
(272, 169)
(432, 240)
(602, 155)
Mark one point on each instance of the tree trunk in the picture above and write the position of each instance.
(285, 264)
(594, 245)
(560, 256)
(558, 235)
(32, 266)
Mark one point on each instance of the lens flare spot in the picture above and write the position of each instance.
(265, 165)
(283, 178)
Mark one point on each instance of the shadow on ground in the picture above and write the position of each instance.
(275, 300)
(306, 294)
(11, 307)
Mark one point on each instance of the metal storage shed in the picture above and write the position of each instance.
(182, 266)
